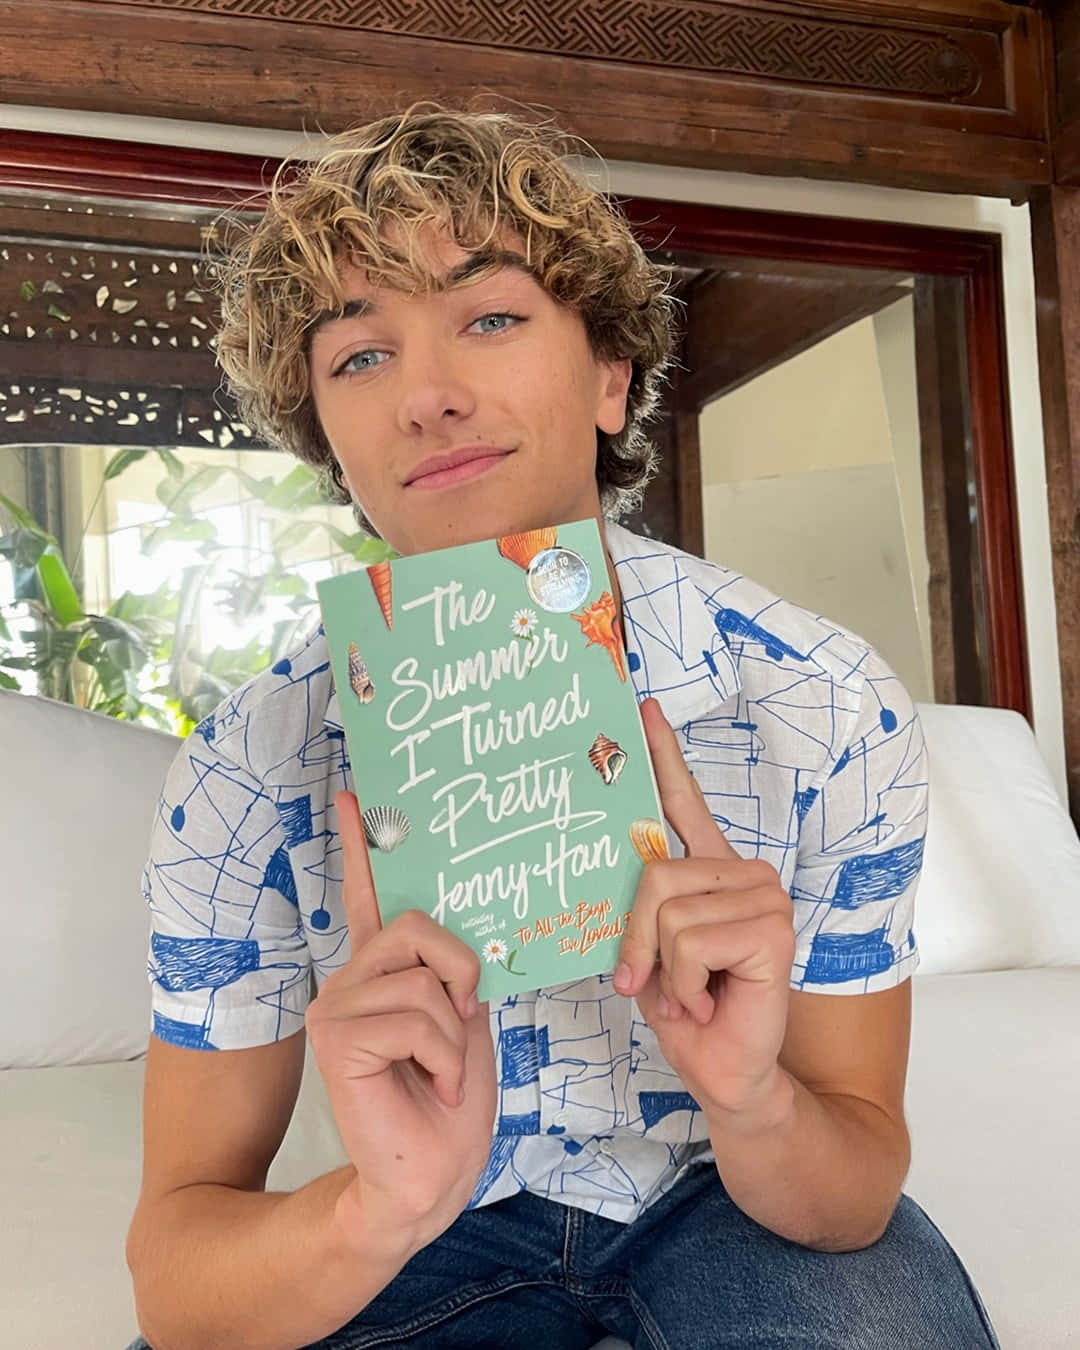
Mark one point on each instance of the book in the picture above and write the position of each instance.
(497, 749)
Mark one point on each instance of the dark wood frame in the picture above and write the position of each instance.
(37, 161)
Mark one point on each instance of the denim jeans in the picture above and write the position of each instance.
(693, 1272)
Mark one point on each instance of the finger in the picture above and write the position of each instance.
(415, 990)
(681, 797)
(664, 882)
(383, 1039)
(357, 888)
(414, 939)
(753, 951)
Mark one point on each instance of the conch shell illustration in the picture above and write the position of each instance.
(649, 839)
(601, 625)
(523, 548)
(379, 574)
(608, 758)
(359, 677)
(385, 827)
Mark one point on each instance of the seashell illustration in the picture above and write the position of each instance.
(385, 826)
(649, 839)
(608, 758)
(379, 574)
(359, 678)
(523, 548)
(601, 625)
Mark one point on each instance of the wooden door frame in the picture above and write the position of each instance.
(39, 161)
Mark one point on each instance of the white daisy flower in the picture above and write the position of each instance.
(523, 623)
(495, 950)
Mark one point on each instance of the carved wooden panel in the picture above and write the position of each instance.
(941, 94)
(732, 38)
(108, 342)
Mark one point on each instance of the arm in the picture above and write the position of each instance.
(822, 1156)
(217, 1262)
(802, 1092)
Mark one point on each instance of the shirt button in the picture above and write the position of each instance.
(606, 1147)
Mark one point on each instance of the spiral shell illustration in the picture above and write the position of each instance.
(523, 548)
(600, 624)
(385, 827)
(359, 677)
(649, 839)
(608, 758)
(379, 575)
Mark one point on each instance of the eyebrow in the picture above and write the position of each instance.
(476, 262)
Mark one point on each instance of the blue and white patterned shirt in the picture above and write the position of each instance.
(810, 755)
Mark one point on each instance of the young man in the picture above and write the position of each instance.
(706, 1149)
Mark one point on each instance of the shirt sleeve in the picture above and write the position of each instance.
(229, 966)
(861, 848)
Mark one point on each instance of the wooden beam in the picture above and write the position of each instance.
(1055, 218)
(743, 323)
(945, 96)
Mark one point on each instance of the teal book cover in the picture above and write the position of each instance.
(497, 748)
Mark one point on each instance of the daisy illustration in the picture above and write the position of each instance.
(496, 950)
(523, 624)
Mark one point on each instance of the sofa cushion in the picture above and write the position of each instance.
(1000, 885)
(77, 797)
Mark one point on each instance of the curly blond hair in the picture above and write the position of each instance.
(478, 173)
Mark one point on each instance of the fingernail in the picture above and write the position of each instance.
(623, 977)
(663, 1007)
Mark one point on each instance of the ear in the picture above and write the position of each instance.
(614, 386)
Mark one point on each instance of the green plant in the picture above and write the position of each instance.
(138, 660)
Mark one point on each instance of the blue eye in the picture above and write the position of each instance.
(347, 367)
(497, 315)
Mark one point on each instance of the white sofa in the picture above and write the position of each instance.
(994, 1083)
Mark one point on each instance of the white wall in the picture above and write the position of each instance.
(715, 187)
(801, 491)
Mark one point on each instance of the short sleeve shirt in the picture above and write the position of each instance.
(809, 753)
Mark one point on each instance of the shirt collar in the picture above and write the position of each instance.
(675, 652)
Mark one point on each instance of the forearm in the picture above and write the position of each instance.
(217, 1268)
(824, 1171)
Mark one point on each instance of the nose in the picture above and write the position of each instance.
(434, 390)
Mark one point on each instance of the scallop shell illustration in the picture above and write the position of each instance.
(359, 677)
(523, 548)
(649, 839)
(600, 624)
(608, 758)
(379, 574)
(385, 827)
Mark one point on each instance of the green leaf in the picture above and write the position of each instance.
(181, 530)
(57, 587)
(178, 494)
(9, 682)
(293, 534)
(5, 631)
(286, 495)
(173, 463)
(123, 460)
(24, 519)
(55, 312)
(27, 290)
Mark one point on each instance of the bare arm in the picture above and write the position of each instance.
(215, 1260)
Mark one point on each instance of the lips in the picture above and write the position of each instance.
(452, 459)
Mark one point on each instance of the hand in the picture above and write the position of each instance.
(406, 1054)
(721, 929)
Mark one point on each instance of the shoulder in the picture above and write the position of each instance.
(274, 716)
(827, 678)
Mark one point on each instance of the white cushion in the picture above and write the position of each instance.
(993, 1098)
(77, 796)
(1000, 884)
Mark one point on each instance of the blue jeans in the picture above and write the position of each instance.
(693, 1272)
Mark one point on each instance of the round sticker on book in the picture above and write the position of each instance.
(558, 579)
